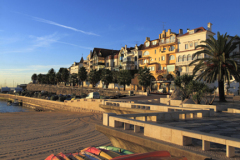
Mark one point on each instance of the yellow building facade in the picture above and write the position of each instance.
(159, 56)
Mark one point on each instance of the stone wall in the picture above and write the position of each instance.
(77, 90)
(80, 105)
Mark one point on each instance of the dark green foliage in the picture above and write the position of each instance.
(54, 98)
(73, 79)
(82, 74)
(181, 82)
(40, 78)
(124, 78)
(62, 98)
(52, 76)
(114, 75)
(93, 77)
(34, 77)
(144, 77)
(106, 77)
(65, 75)
(219, 64)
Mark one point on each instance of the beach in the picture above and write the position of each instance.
(35, 135)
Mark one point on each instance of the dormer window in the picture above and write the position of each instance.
(147, 44)
(154, 42)
(191, 32)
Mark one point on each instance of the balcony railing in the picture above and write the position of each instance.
(170, 41)
(161, 71)
(183, 63)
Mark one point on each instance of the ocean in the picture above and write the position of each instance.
(4, 108)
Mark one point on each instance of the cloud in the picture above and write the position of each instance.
(63, 26)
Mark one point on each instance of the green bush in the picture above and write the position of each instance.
(62, 98)
(54, 98)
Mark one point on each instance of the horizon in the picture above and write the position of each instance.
(39, 35)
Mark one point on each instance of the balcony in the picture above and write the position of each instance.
(128, 62)
(183, 63)
(169, 42)
(161, 72)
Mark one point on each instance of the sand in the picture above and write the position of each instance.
(35, 135)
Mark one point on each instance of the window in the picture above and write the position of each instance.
(155, 51)
(184, 58)
(163, 58)
(186, 46)
(151, 59)
(179, 58)
(171, 57)
(146, 53)
(147, 44)
(107, 64)
(187, 68)
(154, 42)
(172, 39)
(135, 58)
(167, 40)
(113, 64)
(164, 49)
(171, 48)
(195, 44)
(191, 44)
(200, 56)
(153, 68)
(155, 59)
(189, 57)
(164, 68)
(162, 40)
(159, 68)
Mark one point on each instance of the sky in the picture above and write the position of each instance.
(37, 35)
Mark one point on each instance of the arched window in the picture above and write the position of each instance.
(184, 58)
(172, 39)
(179, 58)
(189, 57)
(146, 53)
(171, 57)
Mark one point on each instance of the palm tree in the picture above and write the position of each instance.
(219, 64)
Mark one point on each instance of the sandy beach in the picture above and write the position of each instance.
(35, 135)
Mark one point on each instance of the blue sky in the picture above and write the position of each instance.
(37, 35)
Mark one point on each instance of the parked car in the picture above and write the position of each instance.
(94, 95)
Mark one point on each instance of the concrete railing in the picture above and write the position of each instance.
(170, 134)
(133, 104)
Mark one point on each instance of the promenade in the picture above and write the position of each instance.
(36, 135)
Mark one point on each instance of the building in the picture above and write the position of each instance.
(159, 56)
(76, 66)
(187, 43)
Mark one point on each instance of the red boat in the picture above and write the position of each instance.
(157, 155)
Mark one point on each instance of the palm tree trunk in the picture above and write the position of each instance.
(221, 91)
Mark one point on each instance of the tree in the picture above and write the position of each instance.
(73, 79)
(114, 75)
(106, 77)
(65, 75)
(124, 78)
(219, 64)
(144, 77)
(58, 77)
(181, 82)
(40, 78)
(52, 76)
(93, 77)
(34, 77)
(82, 74)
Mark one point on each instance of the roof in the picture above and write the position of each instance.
(197, 30)
(81, 61)
(104, 52)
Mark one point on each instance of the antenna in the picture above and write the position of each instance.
(136, 42)
(163, 24)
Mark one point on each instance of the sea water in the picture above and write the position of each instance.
(4, 108)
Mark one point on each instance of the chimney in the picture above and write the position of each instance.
(125, 47)
(180, 31)
(159, 36)
(187, 29)
(209, 26)
(147, 38)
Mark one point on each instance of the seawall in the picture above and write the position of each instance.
(79, 105)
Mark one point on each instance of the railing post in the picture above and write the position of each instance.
(205, 145)
(230, 151)
(136, 129)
